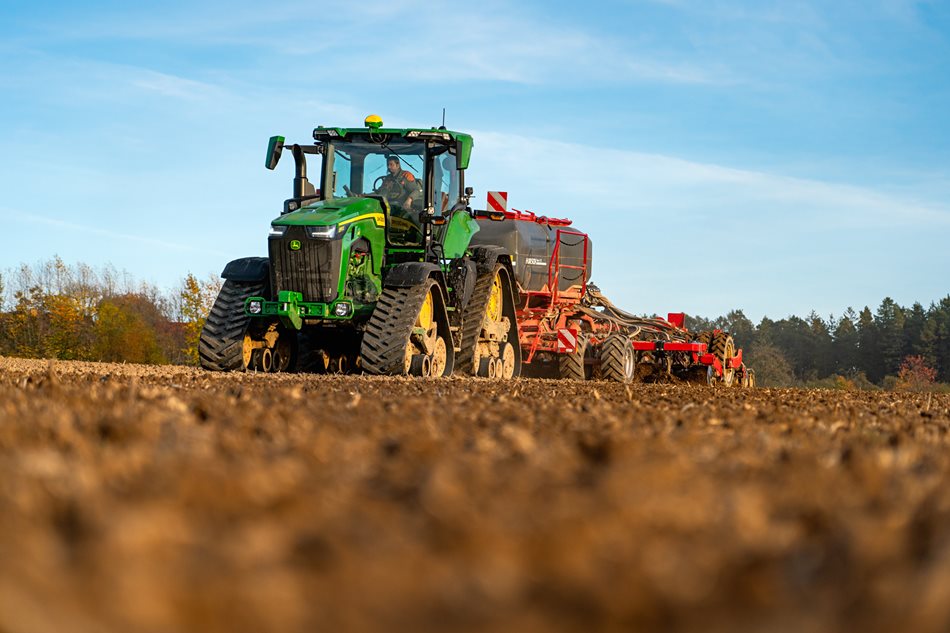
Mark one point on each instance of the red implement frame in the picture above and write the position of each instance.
(697, 351)
(551, 309)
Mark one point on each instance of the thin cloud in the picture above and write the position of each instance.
(172, 86)
(595, 175)
(511, 47)
(72, 227)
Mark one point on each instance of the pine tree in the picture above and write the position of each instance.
(845, 345)
(918, 337)
(869, 347)
(820, 345)
(941, 319)
(890, 319)
(741, 328)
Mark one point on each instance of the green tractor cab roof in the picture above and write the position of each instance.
(374, 128)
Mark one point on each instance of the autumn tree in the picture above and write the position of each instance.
(194, 301)
(772, 368)
(915, 375)
(127, 330)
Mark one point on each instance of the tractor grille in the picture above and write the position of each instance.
(313, 271)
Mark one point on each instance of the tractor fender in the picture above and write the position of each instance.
(410, 274)
(486, 257)
(247, 269)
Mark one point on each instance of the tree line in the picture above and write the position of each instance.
(892, 347)
(77, 312)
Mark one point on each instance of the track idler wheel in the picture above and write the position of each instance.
(491, 368)
(438, 357)
(508, 361)
(281, 360)
(420, 365)
(338, 365)
(262, 359)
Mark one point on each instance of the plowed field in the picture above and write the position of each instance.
(148, 499)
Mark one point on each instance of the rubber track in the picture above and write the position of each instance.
(473, 315)
(611, 359)
(221, 344)
(571, 366)
(387, 331)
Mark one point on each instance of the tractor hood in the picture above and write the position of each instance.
(331, 212)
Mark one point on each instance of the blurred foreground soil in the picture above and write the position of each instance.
(138, 498)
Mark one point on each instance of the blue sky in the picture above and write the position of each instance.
(777, 157)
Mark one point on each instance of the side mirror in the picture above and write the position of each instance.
(469, 191)
(275, 148)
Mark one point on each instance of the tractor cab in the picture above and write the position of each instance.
(418, 172)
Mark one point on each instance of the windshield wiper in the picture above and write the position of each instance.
(393, 153)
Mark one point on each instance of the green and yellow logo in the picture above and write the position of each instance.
(295, 245)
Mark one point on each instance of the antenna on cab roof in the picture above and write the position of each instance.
(443, 119)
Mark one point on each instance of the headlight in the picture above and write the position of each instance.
(324, 232)
(254, 307)
(277, 230)
(341, 309)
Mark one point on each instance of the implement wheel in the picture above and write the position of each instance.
(223, 344)
(409, 323)
(572, 366)
(618, 361)
(724, 349)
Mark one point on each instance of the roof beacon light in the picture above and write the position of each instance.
(373, 121)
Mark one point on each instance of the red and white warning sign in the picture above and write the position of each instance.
(498, 201)
(566, 340)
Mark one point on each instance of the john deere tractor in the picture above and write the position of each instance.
(371, 267)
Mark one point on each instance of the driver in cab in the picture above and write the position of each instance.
(399, 186)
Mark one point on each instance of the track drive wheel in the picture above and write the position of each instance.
(409, 333)
(724, 349)
(490, 328)
(618, 360)
(223, 344)
(572, 366)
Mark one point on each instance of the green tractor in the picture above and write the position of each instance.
(372, 269)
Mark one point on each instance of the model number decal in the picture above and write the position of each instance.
(534, 261)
